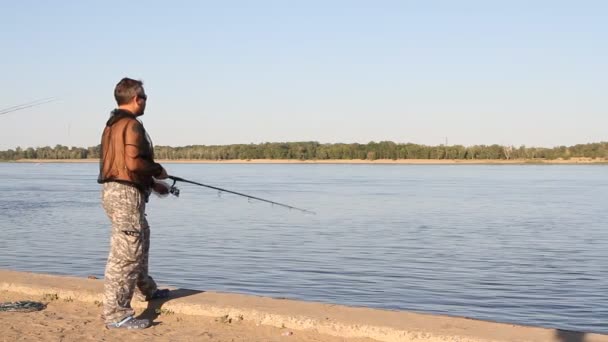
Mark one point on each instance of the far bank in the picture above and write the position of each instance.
(573, 161)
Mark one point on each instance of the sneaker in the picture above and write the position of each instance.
(130, 323)
(159, 294)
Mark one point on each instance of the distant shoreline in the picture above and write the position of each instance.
(346, 161)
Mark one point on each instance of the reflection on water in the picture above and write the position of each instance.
(524, 244)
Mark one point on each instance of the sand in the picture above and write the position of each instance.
(69, 320)
(74, 309)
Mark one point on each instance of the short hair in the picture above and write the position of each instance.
(126, 89)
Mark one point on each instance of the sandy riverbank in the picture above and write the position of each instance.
(66, 319)
(349, 161)
(73, 314)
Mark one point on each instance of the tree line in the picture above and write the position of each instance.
(316, 151)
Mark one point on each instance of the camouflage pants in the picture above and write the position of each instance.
(127, 267)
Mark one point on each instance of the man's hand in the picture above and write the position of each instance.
(161, 188)
(163, 174)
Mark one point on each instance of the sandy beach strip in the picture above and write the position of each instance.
(349, 161)
(73, 314)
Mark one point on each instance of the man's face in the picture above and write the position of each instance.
(141, 102)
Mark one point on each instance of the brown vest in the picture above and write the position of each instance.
(126, 154)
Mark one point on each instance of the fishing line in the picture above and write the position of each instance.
(26, 105)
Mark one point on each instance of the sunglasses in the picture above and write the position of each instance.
(144, 97)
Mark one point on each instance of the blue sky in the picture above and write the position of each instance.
(529, 73)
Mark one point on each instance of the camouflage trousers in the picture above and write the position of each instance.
(127, 267)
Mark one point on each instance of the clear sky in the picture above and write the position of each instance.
(531, 73)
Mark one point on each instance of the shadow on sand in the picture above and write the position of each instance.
(569, 336)
(154, 306)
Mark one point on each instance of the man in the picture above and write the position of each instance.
(127, 171)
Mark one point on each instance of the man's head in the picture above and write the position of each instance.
(130, 95)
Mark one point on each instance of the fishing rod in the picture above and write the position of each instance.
(26, 105)
(175, 192)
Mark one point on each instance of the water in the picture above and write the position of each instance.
(522, 244)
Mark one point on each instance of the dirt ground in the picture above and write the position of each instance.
(69, 320)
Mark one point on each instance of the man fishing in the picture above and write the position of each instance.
(128, 172)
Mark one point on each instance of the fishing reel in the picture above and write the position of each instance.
(170, 189)
(173, 190)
